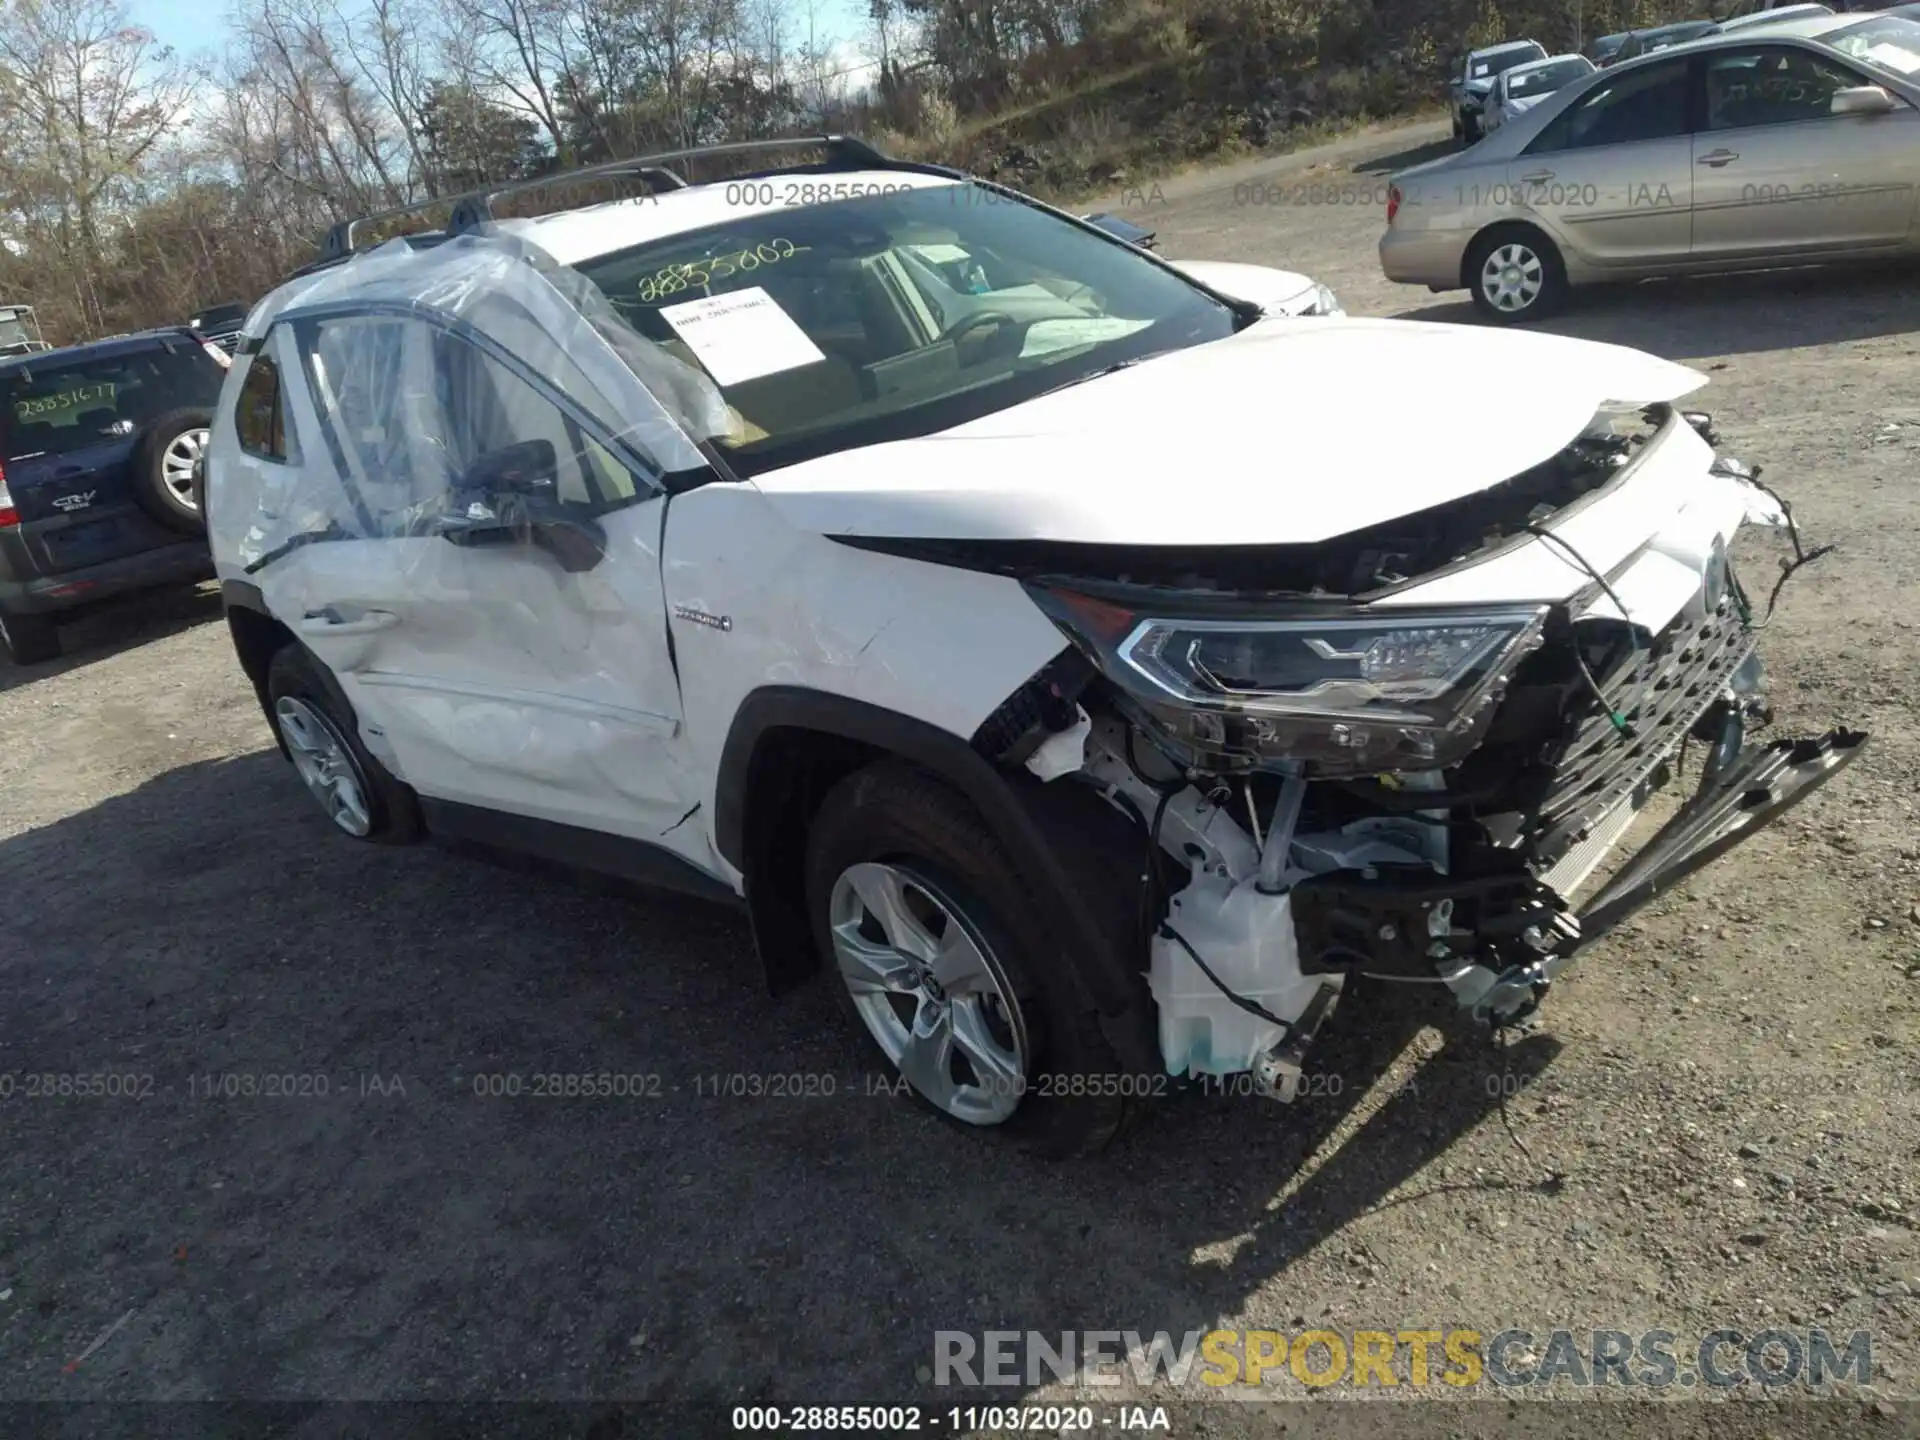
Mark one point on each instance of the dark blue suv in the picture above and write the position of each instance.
(100, 446)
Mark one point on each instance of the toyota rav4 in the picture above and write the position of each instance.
(1019, 626)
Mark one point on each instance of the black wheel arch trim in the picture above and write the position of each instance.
(240, 597)
(1007, 802)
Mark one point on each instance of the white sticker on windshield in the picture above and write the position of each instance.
(1894, 57)
(741, 335)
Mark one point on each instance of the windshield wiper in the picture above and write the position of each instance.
(1113, 369)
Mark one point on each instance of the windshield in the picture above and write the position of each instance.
(55, 406)
(1547, 78)
(1607, 45)
(219, 317)
(843, 324)
(1887, 42)
(1483, 66)
(17, 330)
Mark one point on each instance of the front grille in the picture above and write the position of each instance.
(1589, 767)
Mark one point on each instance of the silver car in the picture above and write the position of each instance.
(1469, 88)
(1784, 144)
(1520, 89)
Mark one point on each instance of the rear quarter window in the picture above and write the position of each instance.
(259, 414)
(63, 404)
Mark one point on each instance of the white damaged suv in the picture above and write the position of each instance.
(1091, 666)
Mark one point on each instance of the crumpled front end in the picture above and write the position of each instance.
(1437, 753)
(1548, 821)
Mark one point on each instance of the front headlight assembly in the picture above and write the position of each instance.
(1320, 301)
(1348, 693)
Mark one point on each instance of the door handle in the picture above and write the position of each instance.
(1537, 177)
(1717, 158)
(327, 622)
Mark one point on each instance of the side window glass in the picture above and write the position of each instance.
(1771, 86)
(377, 397)
(1644, 104)
(505, 322)
(490, 412)
(418, 417)
(259, 415)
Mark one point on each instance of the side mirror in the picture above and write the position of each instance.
(510, 496)
(1122, 229)
(1861, 100)
(528, 468)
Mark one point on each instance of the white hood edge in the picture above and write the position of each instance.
(1290, 432)
(1276, 291)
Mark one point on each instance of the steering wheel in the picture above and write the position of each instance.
(1016, 330)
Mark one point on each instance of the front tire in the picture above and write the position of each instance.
(1515, 274)
(935, 950)
(322, 738)
(1469, 129)
(29, 639)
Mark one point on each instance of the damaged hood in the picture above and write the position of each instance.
(1290, 432)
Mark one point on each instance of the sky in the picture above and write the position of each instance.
(186, 25)
(192, 25)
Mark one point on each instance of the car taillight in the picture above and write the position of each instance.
(224, 360)
(1393, 202)
(9, 517)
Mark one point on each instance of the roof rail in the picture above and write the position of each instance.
(475, 207)
(337, 243)
(417, 239)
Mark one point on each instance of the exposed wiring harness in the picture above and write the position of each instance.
(1619, 721)
(1252, 1007)
(1801, 555)
(1498, 1037)
(1164, 927)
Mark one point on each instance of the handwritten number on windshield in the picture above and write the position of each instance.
(671, 280)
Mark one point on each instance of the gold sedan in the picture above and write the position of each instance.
(1783, 144)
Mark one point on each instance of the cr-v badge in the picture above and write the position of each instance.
(74, 502)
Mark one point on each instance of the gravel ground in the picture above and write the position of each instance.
(1717, 1113)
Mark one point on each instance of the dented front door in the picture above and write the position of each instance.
(501, 677)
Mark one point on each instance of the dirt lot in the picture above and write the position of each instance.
(1720, 1108)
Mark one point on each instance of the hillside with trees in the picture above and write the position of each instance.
(137, 184)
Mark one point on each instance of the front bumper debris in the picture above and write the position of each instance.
(1756, 788)
(1499, 941)
(1751, 791)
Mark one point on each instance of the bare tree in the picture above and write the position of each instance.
(519, 47)
(91, 97)
(343, 141)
